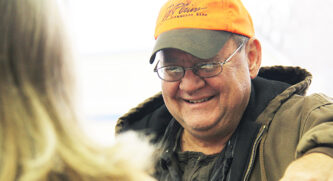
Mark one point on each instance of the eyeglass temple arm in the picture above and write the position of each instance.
(228, 59)
(155, 69)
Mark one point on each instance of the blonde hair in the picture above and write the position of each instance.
(39, 134)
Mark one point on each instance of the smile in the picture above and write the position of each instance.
(198, 101)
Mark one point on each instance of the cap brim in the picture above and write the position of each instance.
(200, 43)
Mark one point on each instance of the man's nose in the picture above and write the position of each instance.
(191, 82)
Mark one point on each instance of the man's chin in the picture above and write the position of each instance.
(204, 133)
(201, 127)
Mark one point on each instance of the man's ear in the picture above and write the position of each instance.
(253, 53)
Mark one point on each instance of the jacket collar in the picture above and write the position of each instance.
(298, 79)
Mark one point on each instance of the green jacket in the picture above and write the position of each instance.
(279, 125)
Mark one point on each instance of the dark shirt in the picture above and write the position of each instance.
(193, 165)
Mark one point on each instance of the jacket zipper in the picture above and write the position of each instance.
(254, 151)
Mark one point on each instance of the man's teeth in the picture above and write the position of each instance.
(198, 101)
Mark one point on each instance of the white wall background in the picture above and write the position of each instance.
(113, 40)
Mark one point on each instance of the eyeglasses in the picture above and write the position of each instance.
(175, 73)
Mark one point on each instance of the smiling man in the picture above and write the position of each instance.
(206, 94)
(222, 117)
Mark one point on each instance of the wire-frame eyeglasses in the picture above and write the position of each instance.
(175, 73)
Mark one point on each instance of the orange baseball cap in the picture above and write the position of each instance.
(200, 27)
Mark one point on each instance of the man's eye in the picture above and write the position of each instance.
(172, 69)
(208, 67)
